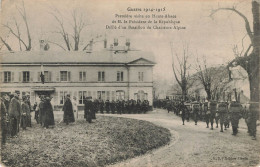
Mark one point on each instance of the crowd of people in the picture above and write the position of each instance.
(16, 111)
(221, 112)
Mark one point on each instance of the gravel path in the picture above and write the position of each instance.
(197, 145)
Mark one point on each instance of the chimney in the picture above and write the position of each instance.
(42, 44)
(105, 43)
(127, 43)
(115, 42)
(90, 45)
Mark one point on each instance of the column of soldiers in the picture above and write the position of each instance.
(211, 112)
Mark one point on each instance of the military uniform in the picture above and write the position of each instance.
(206, 113)
(113, 107)
(183, 110)
(107, 106)
(195, 109)
(235, 109)
(222, 109)
(213, 109)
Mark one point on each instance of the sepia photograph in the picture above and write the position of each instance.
(129, 83)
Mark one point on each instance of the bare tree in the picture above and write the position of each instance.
(250, 62)
(212, 79)
(77, 25)
(17, 34)
(181, 73)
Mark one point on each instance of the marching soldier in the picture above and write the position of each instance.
(183, 110)
(195, 108)
(206, 113)
(213, 109)
(235, 109)
(222, 109)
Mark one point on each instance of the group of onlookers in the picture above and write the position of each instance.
(15, 113)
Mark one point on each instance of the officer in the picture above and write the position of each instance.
(88, 109)
(222, 109)
(252, 118)
(168, 105)
(235, 109)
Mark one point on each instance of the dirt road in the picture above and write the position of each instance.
(196, 145)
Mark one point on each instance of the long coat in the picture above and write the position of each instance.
(68, 111)
(25, 111)
(48, 114)
(14, 108)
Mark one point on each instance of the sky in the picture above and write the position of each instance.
(211, 37)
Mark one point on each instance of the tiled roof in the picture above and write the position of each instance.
(103, 56)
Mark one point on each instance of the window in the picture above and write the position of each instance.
(108, 95)
(82, 96)
(120, 76)
(141, 95)
(101, 76)
(120, 95)
(82, 76)
(26, 76)
(7, 76)
(63, 96)
(64, 76)
(140, 76)
(101, 95)
(47, 76)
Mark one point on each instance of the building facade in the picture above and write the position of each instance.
(109, 74)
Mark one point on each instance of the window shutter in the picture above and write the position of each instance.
(20, 76)
(58, 76)
(12, 76)
(1, 77)
(31, 75)
(80, 76)
(38, 76)
(68, 75)
(49, 73)
(122, 76)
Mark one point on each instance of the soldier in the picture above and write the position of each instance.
(119, 107)
(252, 118)
(235, 109)
(113, 106)
(123, 107)
(101, 107)
(169, 106)
(88, 108)
(195, 109)
(107, 106)
(3, 121)
(68, 115)
(183, 110)
(206, 113)
(128, 106)
(222, 109)
(14, 113)
(213, 109)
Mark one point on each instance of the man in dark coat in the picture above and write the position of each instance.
(68, 116)
(3, 120)
(49, 116)
(101, 107)
(107, 105)
(113, 107)
(222, 111)
(183, 110)
(88, 108)
(40, 108)
(14, 113)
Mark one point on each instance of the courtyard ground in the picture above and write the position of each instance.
(107, 140)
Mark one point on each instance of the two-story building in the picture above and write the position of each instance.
(115, 73)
